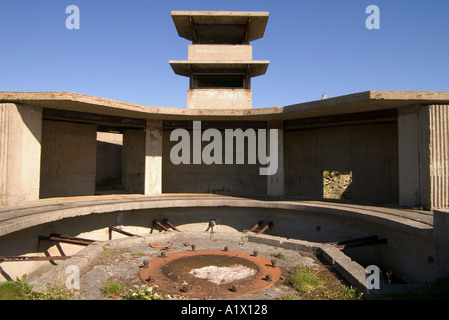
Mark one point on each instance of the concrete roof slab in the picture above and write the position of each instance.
(357, 102)
(186, 67)
(254, 22)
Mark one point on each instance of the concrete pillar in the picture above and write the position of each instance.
(20, 153)
(423, 133)
(69, 159)
(153, 157)
(414, 156)
(133, 161)
(276, 182)
(439, 155)
(441, 241)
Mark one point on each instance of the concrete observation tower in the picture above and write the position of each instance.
(220, 65)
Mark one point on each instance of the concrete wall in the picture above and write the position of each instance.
(276, 182)
(68, 163)
(413, 137)
(369, 151)
(20, 153)
(219, 99)
(241, 179)
(222, 52)
(133, 174)
(109, 156)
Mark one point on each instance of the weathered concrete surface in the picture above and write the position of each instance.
(241, 179)
(20, 153)
(255, 28)
(413, 145)
(424, 156)
(409, 234)
(133, 163)
(369, 151)
(221, 52)
(357, 102)
(276, 182)
(69, 155)
(439, 155)
(153, 157)
(253, 68)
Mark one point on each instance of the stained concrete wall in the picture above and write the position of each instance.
(276, 182)
(20, 153)
(242, 179)
(142, 159)
(68, 163)
(369, 151)
(219, 52)
(133, 164)
(153, 157)
(219, 99)
(413, 137)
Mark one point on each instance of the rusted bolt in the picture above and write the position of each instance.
(274, 263)
(193, 247)
(268, 278)
(226, 249)
(163, 253)
(256, 253)
(185, 287)
(144, 264)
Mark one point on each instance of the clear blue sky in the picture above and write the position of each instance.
(122, 49)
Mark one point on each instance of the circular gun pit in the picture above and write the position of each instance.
(210, 273)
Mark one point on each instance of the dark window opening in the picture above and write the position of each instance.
(237, 81)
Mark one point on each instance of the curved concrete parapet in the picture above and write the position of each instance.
(408, 251)
(45, 211)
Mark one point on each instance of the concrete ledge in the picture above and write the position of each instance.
(298, 225)
(16, 218)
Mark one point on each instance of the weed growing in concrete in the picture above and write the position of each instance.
(55, 292)
(143, 293)
(279, 255)
(304, 279)
(15, 290)
(350, 293)
(112, 288)
(21, 290)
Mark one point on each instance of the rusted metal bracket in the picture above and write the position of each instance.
(168, 223)
(160, 225)
(258, 225)
(359, 242)
(67, 239)
(121, 231)
(269, 225)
